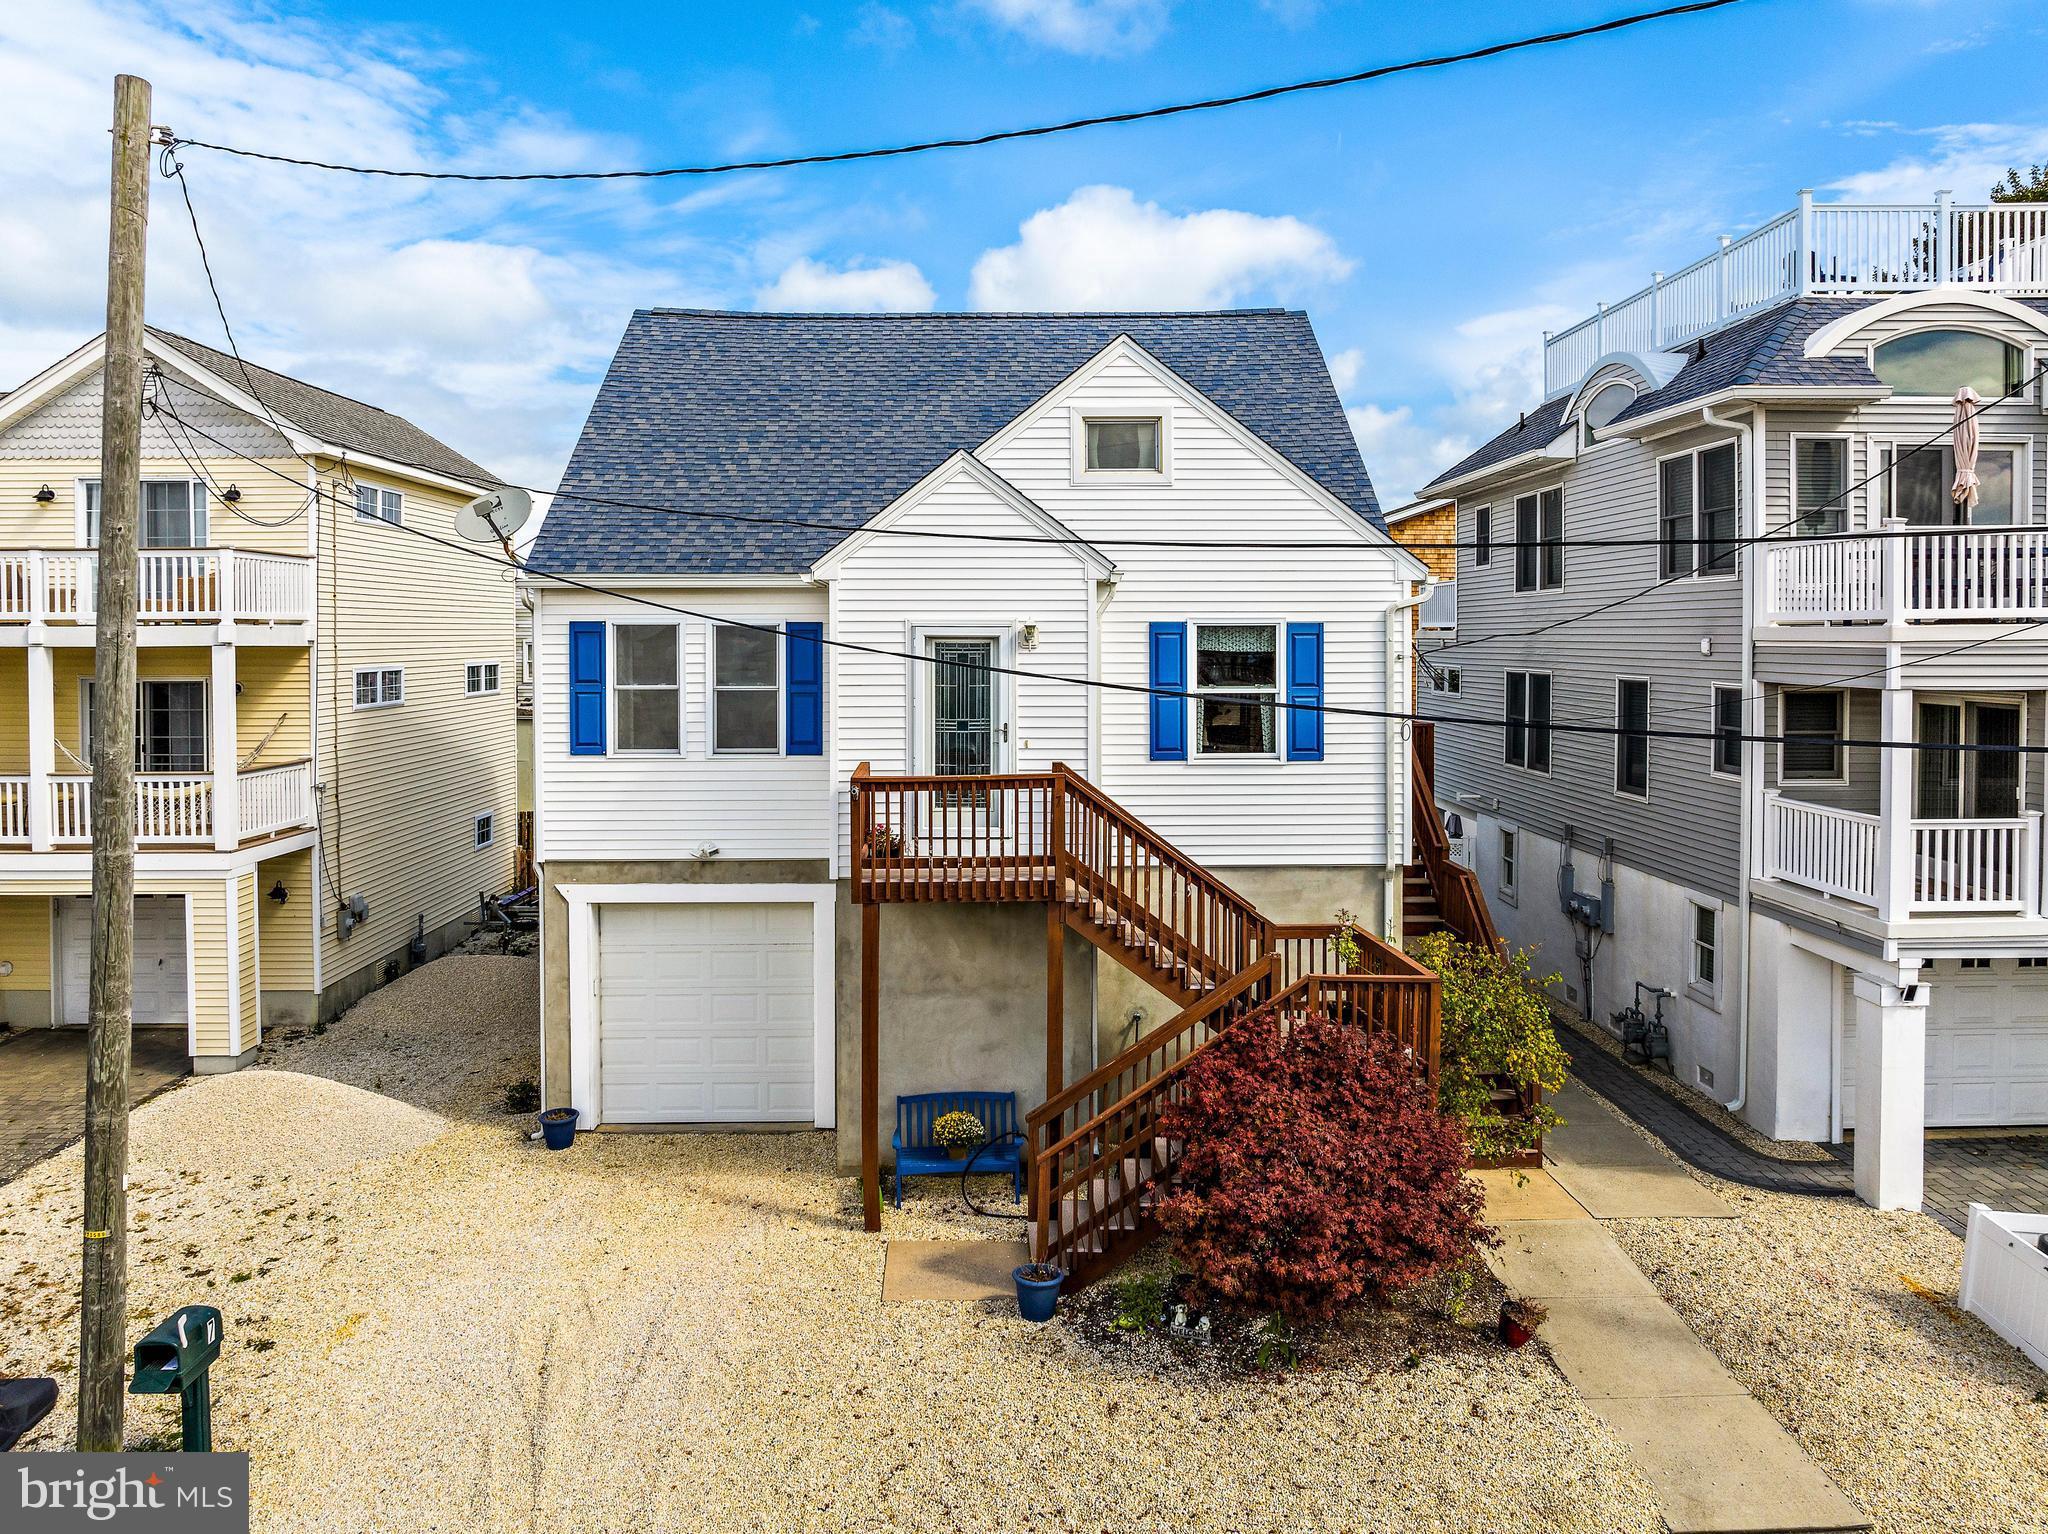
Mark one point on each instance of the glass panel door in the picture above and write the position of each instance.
(1994, 772)
(1940, 795)
(963, 707)
(171, 733)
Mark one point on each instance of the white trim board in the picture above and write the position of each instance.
(583, 899)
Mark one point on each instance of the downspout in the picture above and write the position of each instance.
(1752, 433)
(1400, 701)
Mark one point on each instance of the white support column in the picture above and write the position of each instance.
(227, 813)
(1895, 774)
(1804, 240)
(42, 745)
(1891, 1091)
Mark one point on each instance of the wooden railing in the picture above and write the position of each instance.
(1460, 900)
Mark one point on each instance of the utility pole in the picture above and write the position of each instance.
(103, 1303)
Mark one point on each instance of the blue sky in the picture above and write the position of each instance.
(1432, 225)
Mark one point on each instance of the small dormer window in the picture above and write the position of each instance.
(1124, 446)
(1607, 402)
(1933, 364)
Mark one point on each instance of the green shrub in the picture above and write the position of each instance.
(1495, 1025)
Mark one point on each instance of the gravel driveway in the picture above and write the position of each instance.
(434, 1325)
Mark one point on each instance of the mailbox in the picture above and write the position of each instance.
(175, 1356)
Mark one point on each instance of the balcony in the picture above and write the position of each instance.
(171, 809)
(1963, 574)
(1816, 248)
(1951, 867)
(60, 586)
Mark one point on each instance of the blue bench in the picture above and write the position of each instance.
(918, 1155)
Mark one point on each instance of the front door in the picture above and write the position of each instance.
(966, 738)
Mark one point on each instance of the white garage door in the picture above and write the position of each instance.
(159, 959)
(705, 1014)
(1987, 1046)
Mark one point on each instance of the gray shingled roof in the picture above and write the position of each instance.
(831, 417)
(333, 417)
(1764, 351)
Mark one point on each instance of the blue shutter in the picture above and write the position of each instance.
(1305, 692)
(1169, 650)
(586, 689)
(804, 690)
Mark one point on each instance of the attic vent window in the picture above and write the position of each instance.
(1605, 405)
(1124, 446)
(1933, 364)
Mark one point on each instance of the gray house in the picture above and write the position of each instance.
(1852, 938)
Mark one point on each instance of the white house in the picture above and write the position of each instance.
(839, 612)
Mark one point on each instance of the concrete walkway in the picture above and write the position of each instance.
(1717, 1460)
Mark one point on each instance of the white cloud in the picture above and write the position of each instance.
(1401, 453)
(474, 311)
(1099, 27)
(811, 286)
(1345, 366)
(1103, 249)
(879, 27)
(1965, 158)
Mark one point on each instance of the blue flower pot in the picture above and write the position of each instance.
(558, 1128)
(1036, 1297)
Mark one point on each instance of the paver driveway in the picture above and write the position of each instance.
(42, 1086)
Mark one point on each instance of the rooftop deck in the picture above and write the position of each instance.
(1817, 248)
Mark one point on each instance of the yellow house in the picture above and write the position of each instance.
(326, 757)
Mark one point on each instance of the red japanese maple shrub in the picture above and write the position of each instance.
(1316, 1171)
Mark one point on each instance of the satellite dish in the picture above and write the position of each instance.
(494, 518)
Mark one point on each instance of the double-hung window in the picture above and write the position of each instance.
(1698, 512)
(376, 504)
(1727, 746)
(1482, 536)
(1237, 684)
(172, 514)
(1528, 720)
(1820, 484)
(647, 694)
(746, 713)
(380, 686)
(1510, 858)
(1539, 541)
(1812, 748)
(1706, 946)
(1632, 737)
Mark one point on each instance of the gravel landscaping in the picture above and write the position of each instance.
(434, 1324)
(1842, 1322)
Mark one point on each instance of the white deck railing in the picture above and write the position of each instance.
(1989, 866)
(172, 586)
(1921, 576)
(170, 808)
(1816, 248)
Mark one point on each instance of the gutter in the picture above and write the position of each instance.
(1400, 664)
(1752, 433)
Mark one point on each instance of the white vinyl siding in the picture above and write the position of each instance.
(1260, 812)
(667, 806)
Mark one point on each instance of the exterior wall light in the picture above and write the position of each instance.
(46, 494)
(232, 493)
(279, 893)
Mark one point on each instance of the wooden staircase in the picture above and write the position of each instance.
(1098, 1155)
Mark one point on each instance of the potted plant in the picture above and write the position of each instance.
(1519, 1320)
(960, 1132)
(1038, 1289)
(558, 1127)
(884, 842)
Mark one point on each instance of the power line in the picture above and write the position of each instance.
(1734, 544)
(1278, 705)
(976, 141)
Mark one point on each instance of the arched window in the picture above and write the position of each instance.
(1936, 363)
(1607, 402)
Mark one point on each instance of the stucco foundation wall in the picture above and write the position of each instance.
(1796, 999)
(554, 928)
(962, 1005)
(1651, 942)
(1283, 894)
